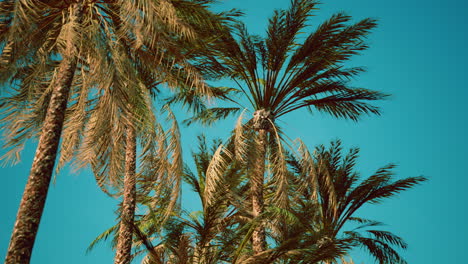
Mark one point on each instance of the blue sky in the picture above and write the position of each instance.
(418, 54)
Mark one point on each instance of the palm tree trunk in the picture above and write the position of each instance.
(35, 193)
(258, 235)
(124, 242)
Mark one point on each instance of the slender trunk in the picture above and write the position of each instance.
(258, 235)
(35, 193)
(124, 242)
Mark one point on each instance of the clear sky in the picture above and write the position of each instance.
(418, 54)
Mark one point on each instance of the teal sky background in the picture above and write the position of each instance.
(418, 54)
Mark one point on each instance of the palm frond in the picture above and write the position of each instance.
(103, 237)
(210, 115)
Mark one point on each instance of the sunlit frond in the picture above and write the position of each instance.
(217, 166)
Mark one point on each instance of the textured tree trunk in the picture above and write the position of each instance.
(35, 193)
(258, 235)
(124, 242)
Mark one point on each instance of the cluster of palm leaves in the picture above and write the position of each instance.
(319, 225)
(84, 77)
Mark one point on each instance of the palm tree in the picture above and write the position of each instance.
(56, 54)
(285, 72)
(326, 192)
(207, 236)
(328, 187)
(66, 37)
(159, 169)
(184, 49)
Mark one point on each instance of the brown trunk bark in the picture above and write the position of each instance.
(35, 193)
(124, 242)
(258, 235)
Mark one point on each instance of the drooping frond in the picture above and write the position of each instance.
(381, 251)
(309, 172)
(161, 166)
(176, 164)
(280, 173)
(240, 140)
(216, 168)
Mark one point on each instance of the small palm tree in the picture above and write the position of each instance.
(328, 187)
(287, 71)
(215, 231)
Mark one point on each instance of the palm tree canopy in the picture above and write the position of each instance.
(327, 182)
(115, 62)
(286, 71)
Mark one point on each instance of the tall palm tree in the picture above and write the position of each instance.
(25, 17)
(58, 54)
(287, 71)
(178, 68)
(185, 51)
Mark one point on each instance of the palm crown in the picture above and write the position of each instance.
(327, 186)
(285, 71)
